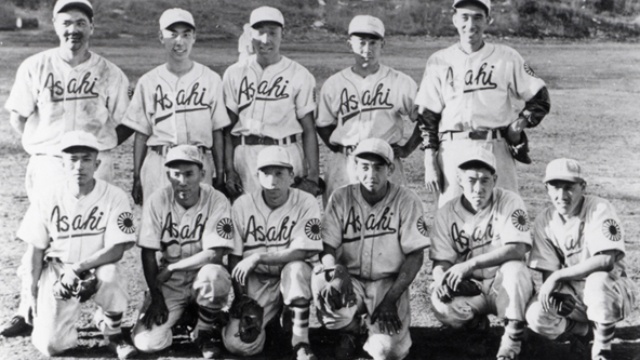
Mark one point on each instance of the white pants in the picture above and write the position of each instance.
(245, 160)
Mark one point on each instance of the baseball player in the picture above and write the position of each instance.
(277, 230)
(80, 228)
(366, 100)
(469, 98)
(60, 90)
(374, 237)
(271, 101)
(478, 248)
(578, 246)
(179, 102)
(189, 222)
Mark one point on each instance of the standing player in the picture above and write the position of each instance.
(60, 90)
(366, 100)
(469, 97)
(271, 100)
(374, 238)
(179, 102)
(190, 224)
(277, 230)
(578, 245)
(77, 230)
(478, 249)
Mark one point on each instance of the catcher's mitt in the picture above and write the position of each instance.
(465, 288)
(250, 314)
(69, 284)
(520, 151)
(309, 186)
(338, 291)
(564, 303)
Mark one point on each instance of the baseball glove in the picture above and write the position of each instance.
(520, 150)
(338, 291)
(250, 314)
(564, 303)
(69, 284)
(464, 288)
(309, 186)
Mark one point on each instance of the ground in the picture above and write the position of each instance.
(594, 90)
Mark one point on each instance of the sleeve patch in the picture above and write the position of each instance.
(313, 228)
(423, 228)
(611, 230)
(529, 70)
(225, 228)
(520, 220)
(125, 223)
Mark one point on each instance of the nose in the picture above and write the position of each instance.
(181, 179)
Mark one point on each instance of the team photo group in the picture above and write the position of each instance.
(234, 198)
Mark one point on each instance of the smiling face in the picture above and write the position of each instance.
(366, 49)
(80, 164)
(74, 29)
(477, 186)
(566, 196)
(471, 21)
(266, 39)
(373, 173)
(185, 180)
(178, 41)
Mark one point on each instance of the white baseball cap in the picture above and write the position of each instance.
(83, 5)
(564, 169)
(375, 146)
(266, 13)
(366, 24)
(274, 156)
(183, 153)
(479, 154)
(486, 4)
(77, 138)
(174, 16)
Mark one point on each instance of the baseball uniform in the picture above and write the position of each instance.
(372, 243)
(375, 106)
(179, 233)
(260, 229)
(71, 230)
(477, 95)
(602, 297)
(268, 103)
(460, 235)
(175, 110)
(57, 98)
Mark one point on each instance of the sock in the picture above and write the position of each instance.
(209, 319)
(602, 336)
(108, 322)
(515, 331)
(300, 325)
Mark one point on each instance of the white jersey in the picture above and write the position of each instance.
(558, 243)
(373, 241)
(57, 98)
(176, 110)
(269, 101)
(72, 229)
(482, 90)
(260, 229)
(371, 107)
(461, 235)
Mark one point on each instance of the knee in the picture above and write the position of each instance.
(516, 270)
(542, 322)
(149, 341)
(451, 314)
(108, 274)
(596, 284)
(386, 347)
(214, 273)
(297, 270)
(212, 284)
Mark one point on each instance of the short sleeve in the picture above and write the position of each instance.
(544, 255)
(22, 98)
(429, 94)
(218, 232)
(307, 232)
(408, 95)
(527, 83)
(512, 220)
(138, 115)
(151, 224)
(305, 99)
(118, 101)
(414, 232)
(228, 90)
(33, 228)
(441, 247)
(332, 219)
(327, 114)
(219, 116)
(237, 216)
(603, 230)
(120, 228)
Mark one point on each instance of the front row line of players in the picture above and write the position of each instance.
(354, 263)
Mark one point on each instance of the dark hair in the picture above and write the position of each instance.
(477, 164)
(77, 149)
(178, 162)
(261, 23)
(366, 36)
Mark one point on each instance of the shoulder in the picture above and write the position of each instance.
(244, 203)
(151, 75)
(101, 62)
(34, 61)
(207, 71)
(596, 207)
(443, 55)
(506, 198)
(296, 66)
(303, 198)
(161, 198)
(215, 196)
(113, 192)
(506, 51)
(337, 78)
(544, 218)
(236, 69)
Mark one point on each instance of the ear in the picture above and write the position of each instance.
(203, 173)
(392, 168)
(98, 162)
(160, 37)
(92, 25)
(495, 178)
(382, 43)
(489, 20)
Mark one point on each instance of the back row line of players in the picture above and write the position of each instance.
(269, 100)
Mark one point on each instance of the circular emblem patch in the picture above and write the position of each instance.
(529, 70)
(520, 220)
(125, 223)
(313, 229)
(611, 230)
(423, 228)
(225, 228)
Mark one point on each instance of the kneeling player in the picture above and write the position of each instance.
(374, 237)
(578, 246)
(478, 249)
(190, 223)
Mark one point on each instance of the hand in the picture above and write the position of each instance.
(136, 191)
(32, 305)
(515, 129)
(233, 184)
(157, 312)
(443, 293)
(218, 183)
(244, 267)
(400, 152)
(386, 314)
(338, 292)
(544, 294)
(163, 276)
(432, 174)
(457, 273)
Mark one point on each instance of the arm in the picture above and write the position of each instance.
(310, 146)
(123, 132)
(218, 157)
(429, 124)
(325, 134)
(105, 256)
(157, 312)
(17, 122)
(233, 183)
(412, 143)
(193, 262)
(534, 111)
(248, 264)
(139, 154)
(33, 272)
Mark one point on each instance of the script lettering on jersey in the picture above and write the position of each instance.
(464, 242)
(572, 243)
(370, 101)
(264, 91)
(91, 222)
(479, 80)
(188, 100)
(280, 233)
(75, 89)
(192, 231)
(378, 224)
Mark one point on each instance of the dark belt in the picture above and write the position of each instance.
(262, 140)
(471, 135)
(162, 149)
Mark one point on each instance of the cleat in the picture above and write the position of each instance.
(347, 347)
(121, 347)
(210, 347)
(302, 351)
(17, 326)
(509, 348)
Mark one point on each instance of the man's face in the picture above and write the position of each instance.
(275, 180)
(565, 195)
(178, 41)
(266, 39)
(477, 186)
(373, 173)
(471, 21)
(185, 180)
(80, 165)
(74, 29)
(367, 49)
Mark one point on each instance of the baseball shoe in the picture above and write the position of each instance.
(603, 355)
(302, 351)
(17, 326)
(509, 348)
(121, 347)
(347, 347)
(209, 345)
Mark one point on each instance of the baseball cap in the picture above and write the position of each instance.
(486, 4)
(375, 146)
(264, 14)
(274, 156)
(564, 169)
(366, 24)
(481, 155)
(79, 138)
(82, 5)
(183, 153)
(176, 15)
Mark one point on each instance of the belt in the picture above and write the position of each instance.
(162, 149)
(471, 135)
(262, 140)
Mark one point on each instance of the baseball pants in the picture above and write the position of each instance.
(270, 292)
(603, 298)
(54, 327)
(506, 295)
(369, 294)
(208, 287)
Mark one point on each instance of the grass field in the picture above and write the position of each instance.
(595, 92)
